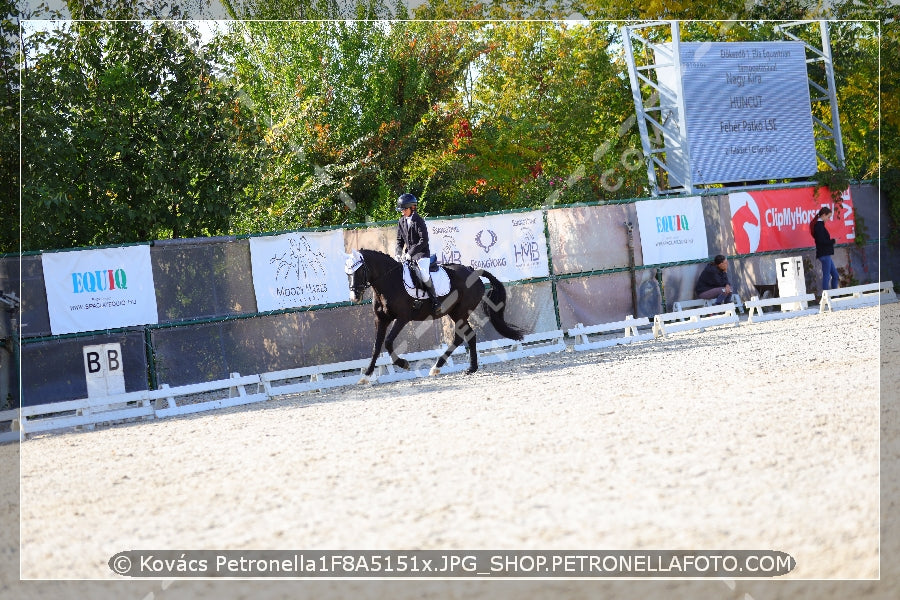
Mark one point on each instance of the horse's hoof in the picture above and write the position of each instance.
(470, 370)
(402, 363)
(364, 380)
(434, 371)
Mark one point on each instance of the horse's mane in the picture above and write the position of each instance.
(375, 254)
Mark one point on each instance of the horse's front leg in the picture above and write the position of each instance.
(389, 344)
(382, 325)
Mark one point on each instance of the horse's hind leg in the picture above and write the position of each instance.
(462, 332)
(469, 335)
(389, 344)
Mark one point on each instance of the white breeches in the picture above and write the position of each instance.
(424, 268)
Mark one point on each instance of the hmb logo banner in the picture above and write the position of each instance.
(672, 230)
(511, 246)
(89, 290)
(298, 269)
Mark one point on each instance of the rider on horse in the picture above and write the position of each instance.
(412, 236)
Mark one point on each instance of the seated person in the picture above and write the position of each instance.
(713, 281)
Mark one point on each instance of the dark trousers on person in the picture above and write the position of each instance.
(714, 293)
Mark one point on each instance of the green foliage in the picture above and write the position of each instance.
(890, 187)
(139, 140)
(349, 104)
(529, 114)
(136, 131)
(308, 9)
(836, 181)
(9, 127)
(128, 9)
(660, 9)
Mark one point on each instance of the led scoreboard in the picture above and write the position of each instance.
(746, 111)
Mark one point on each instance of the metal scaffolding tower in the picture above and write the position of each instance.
(660, 109)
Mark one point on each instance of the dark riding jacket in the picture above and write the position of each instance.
(711, 277)
(824, 241)
(413, 236)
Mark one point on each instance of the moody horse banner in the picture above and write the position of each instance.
(298, 269)
(779, 219)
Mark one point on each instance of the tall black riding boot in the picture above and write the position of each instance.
(429, 289)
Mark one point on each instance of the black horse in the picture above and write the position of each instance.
(392, 304)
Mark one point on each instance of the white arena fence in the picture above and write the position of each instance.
(210, 324)
(239, 390)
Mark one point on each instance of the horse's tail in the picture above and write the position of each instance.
(495, 304)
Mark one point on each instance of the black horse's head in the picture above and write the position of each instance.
(358, 276)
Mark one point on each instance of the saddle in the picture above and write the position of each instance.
(414, 273)
(413, 283)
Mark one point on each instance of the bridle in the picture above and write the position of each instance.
(359, 290)
(351, 270)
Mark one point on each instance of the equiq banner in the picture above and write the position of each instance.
(298, 269)
(90, 290)
(779, 219)
(672, 230)
(511, 246)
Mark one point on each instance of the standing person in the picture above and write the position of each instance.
(825, 249)
(412, 243)
(713, 281)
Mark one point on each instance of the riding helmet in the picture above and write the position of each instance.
(405, 201)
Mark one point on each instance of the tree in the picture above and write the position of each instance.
(130, 10)
(287, 9)
(9, 127)
(348, 104)
(128, 136)
(867, 125)
(544, 107)
(642, 10)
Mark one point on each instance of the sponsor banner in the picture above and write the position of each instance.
(511, 247)
(672, 230)
(298, 269)
(779, 219)
(89, 290)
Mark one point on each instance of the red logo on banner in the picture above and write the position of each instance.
(779, 219)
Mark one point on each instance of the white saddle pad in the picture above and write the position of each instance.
(440, 278)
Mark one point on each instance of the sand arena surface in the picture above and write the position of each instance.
(758, 436)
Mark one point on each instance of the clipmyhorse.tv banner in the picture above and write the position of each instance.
(298, 269)
(511, 247)
(90, 290)
(672, 230)
(779, 219)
